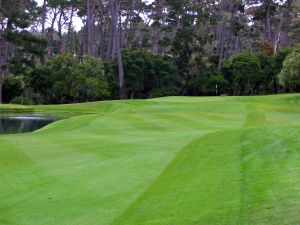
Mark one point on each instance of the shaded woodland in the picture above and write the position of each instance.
(64, 51)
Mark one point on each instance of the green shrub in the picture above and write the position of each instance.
(13, 87)
(146, 75)
(20, 100)
(243, 71)
(289, 76)
(69, 79)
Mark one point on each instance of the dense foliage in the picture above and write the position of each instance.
(149, 48)
(290, 74)
(147, 75)
(244, 71)
(13, 87)
(65, 78)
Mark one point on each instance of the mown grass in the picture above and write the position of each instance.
(165, 161)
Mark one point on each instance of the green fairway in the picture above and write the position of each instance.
(164, 161)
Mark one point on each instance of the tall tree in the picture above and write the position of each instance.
(18, 45)
(115, 43)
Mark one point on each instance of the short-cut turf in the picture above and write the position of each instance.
(165, 161)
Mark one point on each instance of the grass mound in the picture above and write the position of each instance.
(175, 160)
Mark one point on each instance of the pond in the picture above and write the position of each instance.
(21, 123)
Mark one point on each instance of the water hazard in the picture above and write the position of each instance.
(21, 123)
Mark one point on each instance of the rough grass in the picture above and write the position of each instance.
(166, 161)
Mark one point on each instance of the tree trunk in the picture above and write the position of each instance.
(90, 27)
(42, 59)
(277, 41)
(229, 36)
(127, 24)
(59, 33)
(1, 85)
(102, 41)
(101, 30)
(275, 85)
(121, 72)
(113, 30)
(158, 34)
(4, 58)
(44, 16)
(51, 33)
(117, 43)
(222, 41)
(268, 35)
(70, 27)
(287, 26)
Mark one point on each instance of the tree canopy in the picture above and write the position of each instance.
(65, 78)
(290, 74)
(153, 48)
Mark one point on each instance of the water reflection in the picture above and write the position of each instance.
(23, 123)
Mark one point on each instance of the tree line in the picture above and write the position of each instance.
(141, 49)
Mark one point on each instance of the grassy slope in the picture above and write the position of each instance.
(168, 161)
